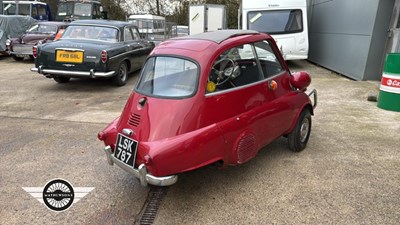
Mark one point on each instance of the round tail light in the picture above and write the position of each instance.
(34, 51)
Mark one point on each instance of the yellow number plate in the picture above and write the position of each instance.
(69, 56)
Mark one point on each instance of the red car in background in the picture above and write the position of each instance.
(211, 98)
(39, 33)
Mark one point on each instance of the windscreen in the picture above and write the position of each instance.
(276, 21)
(100, 33)
(65, 9)
(166, 76)
(83, 9)
(43, 28)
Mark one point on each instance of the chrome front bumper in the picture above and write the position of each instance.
(141, 172)
(90, 74)
(314, 95)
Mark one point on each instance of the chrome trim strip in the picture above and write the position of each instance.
(21, 53)
(74, 73)
(71, 49)
(140, 173)
(123, 54)
(265, 80)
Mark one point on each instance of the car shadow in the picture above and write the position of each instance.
(255, 170)
(92, 85)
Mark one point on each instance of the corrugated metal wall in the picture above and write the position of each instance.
(349, 37)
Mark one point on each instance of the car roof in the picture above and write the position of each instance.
(115, 23)
(203, 46)
(58, 23)
(218, 36)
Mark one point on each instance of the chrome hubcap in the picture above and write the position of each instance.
(304, 128)
(122, 72)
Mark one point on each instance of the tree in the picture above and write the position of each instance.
(114, 9)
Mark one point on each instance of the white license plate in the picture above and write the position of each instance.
(125, 150)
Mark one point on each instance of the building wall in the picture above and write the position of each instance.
(342, 35)
(377, 49)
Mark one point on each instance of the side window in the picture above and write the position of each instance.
(136, 35)
(34, 10)
(96, 11)
(9, 9)
(269, 62)
(128, 34)
(24, 9)
(233, 68)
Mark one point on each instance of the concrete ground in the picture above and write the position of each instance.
(348, 174)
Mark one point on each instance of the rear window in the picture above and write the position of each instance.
(276, 21)
(100, 33)
(169, 77)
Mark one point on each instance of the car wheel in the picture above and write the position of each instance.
(122, 74)
(17, 58)
(62, 80)
(298, 138)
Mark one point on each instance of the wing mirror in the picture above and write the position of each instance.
(300, 80)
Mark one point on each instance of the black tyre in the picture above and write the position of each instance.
(17, 58)
(122, 75)
(62, 80)
(298, 138)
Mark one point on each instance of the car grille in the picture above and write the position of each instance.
(246, 148)
(134, 120)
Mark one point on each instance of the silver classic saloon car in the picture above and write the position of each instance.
(93, 49)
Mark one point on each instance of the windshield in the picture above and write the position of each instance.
(83, 9)
(65, 9)
(276, 21)
(100, 33)
(183, 30)
(43, 28)
(168, 77)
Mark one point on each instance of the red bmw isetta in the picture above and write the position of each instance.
(210, 98)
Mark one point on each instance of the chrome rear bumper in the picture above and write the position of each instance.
(140, 173)
(90, 74)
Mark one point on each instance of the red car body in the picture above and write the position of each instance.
(39, 33)
(168, 135)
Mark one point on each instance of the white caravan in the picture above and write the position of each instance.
(206, 17)
(284, 20)
(151, 27)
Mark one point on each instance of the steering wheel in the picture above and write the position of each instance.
(225, 70)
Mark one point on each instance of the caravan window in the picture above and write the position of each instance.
(24, 9)
(276, 21)
(9, 9)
